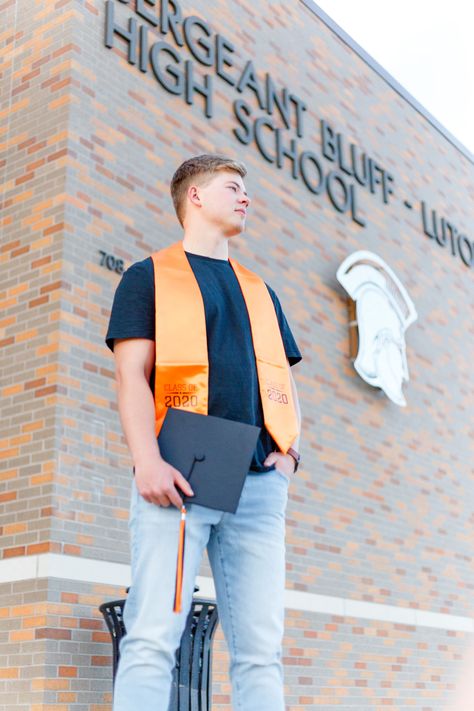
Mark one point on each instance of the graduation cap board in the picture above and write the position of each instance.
(214, 455)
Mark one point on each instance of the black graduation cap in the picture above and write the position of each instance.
(212, 453)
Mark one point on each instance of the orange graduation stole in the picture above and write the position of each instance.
(182, 365)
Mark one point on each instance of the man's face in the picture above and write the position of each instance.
(223, 202)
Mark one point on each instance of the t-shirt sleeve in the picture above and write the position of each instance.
(133, 308)
(291, 349)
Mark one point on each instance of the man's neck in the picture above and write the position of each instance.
(207, 245)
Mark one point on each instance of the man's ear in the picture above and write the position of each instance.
(193, 195)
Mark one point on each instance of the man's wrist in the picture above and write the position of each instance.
(151, 458)
(296, 456)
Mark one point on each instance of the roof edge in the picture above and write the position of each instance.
(373, 64)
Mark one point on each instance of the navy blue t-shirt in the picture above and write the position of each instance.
(233, 382)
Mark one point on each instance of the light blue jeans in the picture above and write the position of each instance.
(247, 555)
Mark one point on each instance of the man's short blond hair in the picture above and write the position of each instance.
(200, 170)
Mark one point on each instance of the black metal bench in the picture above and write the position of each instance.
(191, 689)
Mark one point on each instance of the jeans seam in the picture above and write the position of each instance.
(229, 606)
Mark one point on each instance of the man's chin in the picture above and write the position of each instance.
(234, 231)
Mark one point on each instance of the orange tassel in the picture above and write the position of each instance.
(180, 562)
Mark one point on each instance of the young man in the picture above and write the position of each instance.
(245, 549)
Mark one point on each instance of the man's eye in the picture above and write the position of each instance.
(232, 187)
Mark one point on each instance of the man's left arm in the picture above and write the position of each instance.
(296, 443)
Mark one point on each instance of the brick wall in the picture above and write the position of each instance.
(34, 155)
(55, 653)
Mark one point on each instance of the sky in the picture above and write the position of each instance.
(428, 51)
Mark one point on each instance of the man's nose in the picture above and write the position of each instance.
(245, 199)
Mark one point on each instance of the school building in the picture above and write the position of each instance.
(100, 102)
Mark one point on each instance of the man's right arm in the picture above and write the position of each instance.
(156, 479)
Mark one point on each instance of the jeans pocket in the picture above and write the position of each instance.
(284, 476)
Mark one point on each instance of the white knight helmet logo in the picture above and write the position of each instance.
(381, 312)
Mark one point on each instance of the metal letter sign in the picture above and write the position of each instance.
(382, 312)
